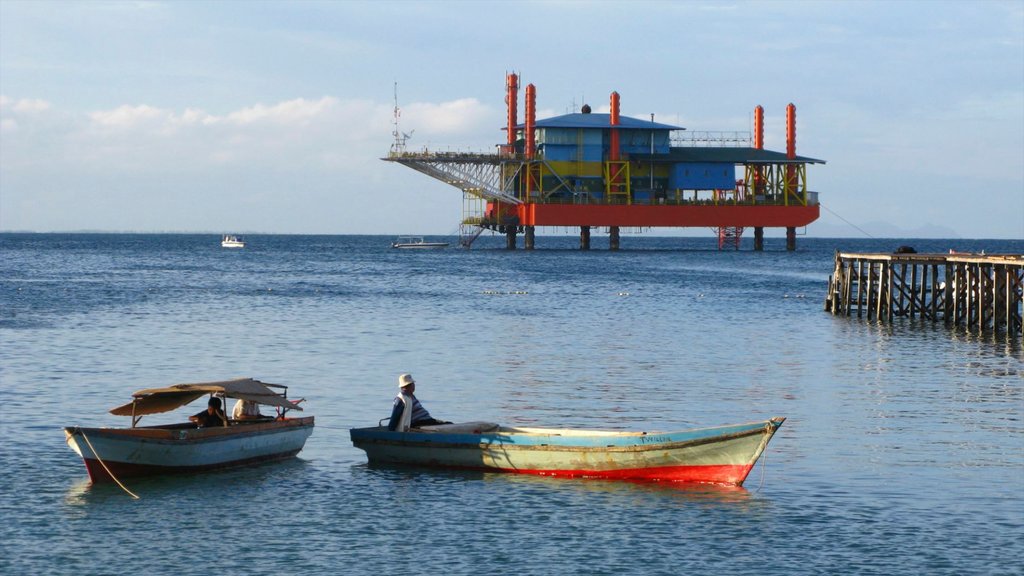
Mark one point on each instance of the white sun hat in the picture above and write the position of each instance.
(404, 380)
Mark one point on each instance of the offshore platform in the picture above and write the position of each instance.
(592, 170)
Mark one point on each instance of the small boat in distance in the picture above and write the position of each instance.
(182, 447)
(719, 455)
(416, 242)
(230, 241)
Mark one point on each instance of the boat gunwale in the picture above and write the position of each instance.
(768, 427)
(181, 434)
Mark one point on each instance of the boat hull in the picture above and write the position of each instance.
(721, 455)
(132, 452)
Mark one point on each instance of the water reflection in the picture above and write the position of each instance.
(686, 491)
(79, 492)
(82, 495)
(84, 492)
(900, 434)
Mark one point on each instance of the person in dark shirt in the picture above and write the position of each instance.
(212, 416)
(407, 412)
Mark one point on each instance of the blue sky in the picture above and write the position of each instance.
(272, 117)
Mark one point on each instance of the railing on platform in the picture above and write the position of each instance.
(715, 139)
(493, 176)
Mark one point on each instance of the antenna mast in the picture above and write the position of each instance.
(398, 147)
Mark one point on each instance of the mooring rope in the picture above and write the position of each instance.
(104, 464)
(764, 464)
(845, 220)
(764, 453)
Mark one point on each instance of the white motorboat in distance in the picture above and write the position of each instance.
(182, 447)
(416, 242)
(230, 241)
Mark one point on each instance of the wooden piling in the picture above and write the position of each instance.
(977, 292)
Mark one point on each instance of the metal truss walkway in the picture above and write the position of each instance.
(476, 174)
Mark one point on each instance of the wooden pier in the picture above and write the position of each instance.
(981, 293)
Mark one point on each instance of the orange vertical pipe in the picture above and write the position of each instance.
(613, 142)
(759, 144)
(531, 119)
(790, 149)
(791, 131)
(759, 127)
(511, 99)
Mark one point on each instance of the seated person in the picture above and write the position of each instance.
(407, 412)
(212, 416)
(246, 410)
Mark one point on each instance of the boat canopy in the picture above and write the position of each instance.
(157, 400)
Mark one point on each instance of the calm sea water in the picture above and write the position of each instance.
(903, 452)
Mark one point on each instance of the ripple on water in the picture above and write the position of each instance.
(901, 454)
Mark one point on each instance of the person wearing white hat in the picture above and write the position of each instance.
(407, 411)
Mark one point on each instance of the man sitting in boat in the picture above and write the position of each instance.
(246, 410)
(212, 416)
(407, 411)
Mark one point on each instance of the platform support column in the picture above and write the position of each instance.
(528, 238)
(510, 237)
(584, 237)
(759, 239)
(613, 238)
(790, 238)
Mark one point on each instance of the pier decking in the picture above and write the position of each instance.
(975, 291)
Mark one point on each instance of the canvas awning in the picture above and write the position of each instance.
(157, 400)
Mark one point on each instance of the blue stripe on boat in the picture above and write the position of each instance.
(579, 438)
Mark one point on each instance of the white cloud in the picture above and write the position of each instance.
(293, 112)
(284, 118)
(23, 105)
(31, 105)
(447, 118)
(326, 133)
(196, 116)
(129, 117)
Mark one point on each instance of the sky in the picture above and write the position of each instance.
(272, 117)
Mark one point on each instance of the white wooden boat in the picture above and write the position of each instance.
(416, 242)
(182, 447)
(721, 455)
(230, 241)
